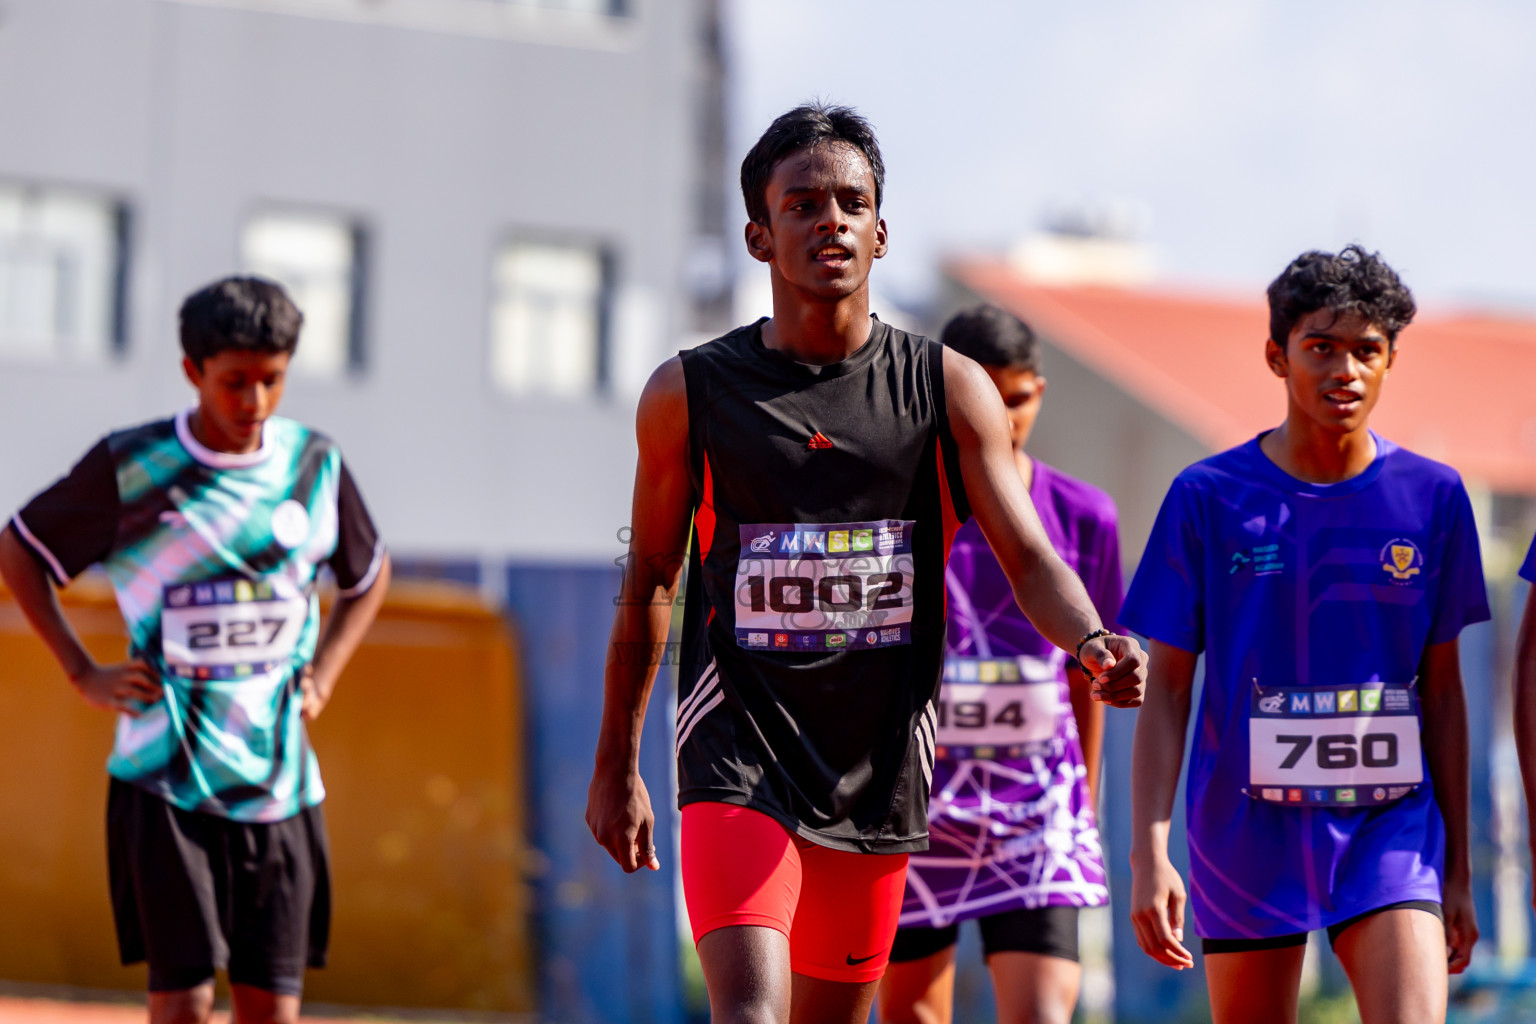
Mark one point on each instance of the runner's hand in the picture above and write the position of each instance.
(619, 815)
(128, 687)
(1118, 666)
(1460, 925)
(315, 696)
(1157, 913)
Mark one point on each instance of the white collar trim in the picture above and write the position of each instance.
(219, 460)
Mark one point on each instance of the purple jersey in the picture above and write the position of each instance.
(1010, 822)
(1313, 606)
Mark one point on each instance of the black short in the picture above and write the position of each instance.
(1209, 946)
(1048, 931)
(194, 893)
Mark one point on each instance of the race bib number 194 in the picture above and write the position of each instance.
(999, 707)
(1341, 748)
(824, 586)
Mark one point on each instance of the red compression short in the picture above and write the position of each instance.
(839, 909)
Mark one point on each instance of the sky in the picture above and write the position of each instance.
(1241, 133)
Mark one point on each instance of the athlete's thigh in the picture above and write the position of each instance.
(919, 991)
(1255, 987)
(741, 882)
(846, 919)
(746, 970)
(740, 867)
(1396, 963)
(1033, 988)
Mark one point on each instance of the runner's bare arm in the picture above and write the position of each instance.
(126, 687)
(1525, 707)
(618, 806)
(1446, 752)
(1157, 891)
(1089, 715)
(344, 631)
(1046, 588)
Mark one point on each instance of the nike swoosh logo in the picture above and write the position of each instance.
(861, 960)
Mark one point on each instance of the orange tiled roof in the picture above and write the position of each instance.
(1463, 389)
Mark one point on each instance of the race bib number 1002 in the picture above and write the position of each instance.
(231, 629)
(1341, 748)
(824, 586)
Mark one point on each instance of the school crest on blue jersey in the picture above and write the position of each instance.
(1402, 560)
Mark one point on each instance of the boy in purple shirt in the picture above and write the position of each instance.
(1325, 573)
(1013, 842)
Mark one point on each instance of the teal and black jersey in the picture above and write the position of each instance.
(213, 558)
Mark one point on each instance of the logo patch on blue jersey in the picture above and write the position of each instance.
(1262, 559)
(1301, 703)
(1402, 560)
(1323, 703)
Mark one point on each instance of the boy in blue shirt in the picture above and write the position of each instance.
(1325, 573)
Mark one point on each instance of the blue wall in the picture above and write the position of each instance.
(607, 941)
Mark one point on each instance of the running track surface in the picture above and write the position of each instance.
(49, 1011)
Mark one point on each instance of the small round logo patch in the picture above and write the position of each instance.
(1402, 560)
(290, 524)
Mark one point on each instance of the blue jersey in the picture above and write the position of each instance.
(1528, 568)
(1308, 591)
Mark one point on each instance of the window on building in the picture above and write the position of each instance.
(62, 270)
(318, 258)
(549, 319)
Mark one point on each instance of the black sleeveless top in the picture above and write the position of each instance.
(825, 501)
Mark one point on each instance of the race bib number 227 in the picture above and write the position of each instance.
(231, 628)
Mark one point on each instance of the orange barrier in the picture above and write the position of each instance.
(421, 754)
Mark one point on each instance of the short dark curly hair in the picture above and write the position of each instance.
(1349, 282)
(993, 337)
(249, 313)
(806, 127)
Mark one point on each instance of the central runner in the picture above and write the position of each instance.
(824, 462)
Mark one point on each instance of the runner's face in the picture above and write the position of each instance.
(1022, 391)
(823, 229)
(1333, 367)
(236, 392)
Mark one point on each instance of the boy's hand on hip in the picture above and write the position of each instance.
(315, 695)
(127, 688)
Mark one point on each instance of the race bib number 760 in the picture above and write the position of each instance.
(1347, 747)
(824, 586)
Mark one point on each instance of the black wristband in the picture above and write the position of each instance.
(1078, 656)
